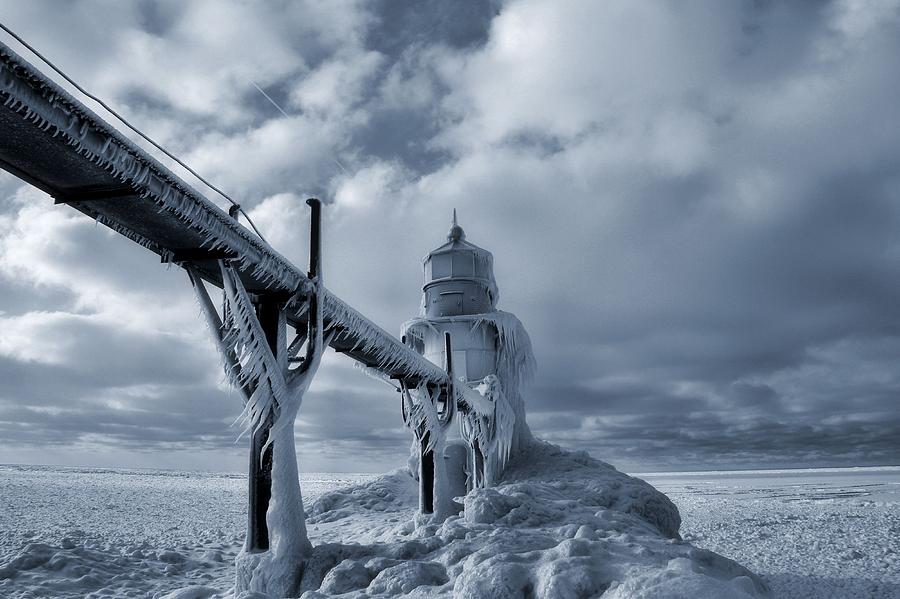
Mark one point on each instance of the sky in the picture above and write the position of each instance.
(694, 208)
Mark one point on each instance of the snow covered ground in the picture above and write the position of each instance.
(68, 532)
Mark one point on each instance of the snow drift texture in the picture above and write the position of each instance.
(561, 525)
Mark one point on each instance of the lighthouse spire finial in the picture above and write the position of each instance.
(456, 232)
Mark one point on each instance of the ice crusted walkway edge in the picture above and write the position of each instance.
(561, 525)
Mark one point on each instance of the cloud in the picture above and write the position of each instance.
(692, 207)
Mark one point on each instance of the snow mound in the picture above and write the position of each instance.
(389, 492)
(192, 592)
(589, 482)
(561, 525)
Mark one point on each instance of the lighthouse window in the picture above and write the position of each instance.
(460, 368)
(440, 266)
(463, 265)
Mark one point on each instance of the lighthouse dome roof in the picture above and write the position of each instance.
(460, 260)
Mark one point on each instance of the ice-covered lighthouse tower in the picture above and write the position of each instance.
(491, 352)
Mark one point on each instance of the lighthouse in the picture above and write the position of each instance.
(490, 351)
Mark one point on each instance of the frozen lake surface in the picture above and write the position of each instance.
(818, 533)
(124, 533)
(76, 532)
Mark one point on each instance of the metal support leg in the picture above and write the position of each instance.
(426, 476)
(431, 414)
(260, 491)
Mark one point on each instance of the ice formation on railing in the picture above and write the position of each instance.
(273, 393)
(259, 373)
(391, 355)
(90, 136)
(515, 367)
(488, 424)
(515, 363)
(376, 374)
(421, 415)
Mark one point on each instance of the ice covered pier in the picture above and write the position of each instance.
(461, 360)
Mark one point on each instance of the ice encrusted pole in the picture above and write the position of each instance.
(278, 571)
(256, 363)
(428, 425)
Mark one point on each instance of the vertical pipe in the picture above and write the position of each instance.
(315, 259)
(450, 391)
(315, 236)
(448, 351)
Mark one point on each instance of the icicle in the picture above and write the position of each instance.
(489, 423)
(258, 365)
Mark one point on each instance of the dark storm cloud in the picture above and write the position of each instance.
(131, 396)
(693, 207)
(457, 23)
(20, 297)
(708, 442)
(398, 129)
